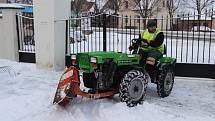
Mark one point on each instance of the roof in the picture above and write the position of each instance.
(100, 4)
(27, 7)
(108, 7)
(10, 6)
(22, 1)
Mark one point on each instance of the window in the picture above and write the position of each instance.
(126, 19)
(158, 9)
(126, 4)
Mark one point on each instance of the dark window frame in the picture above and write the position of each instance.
(138, 19)
(164, 4)
(126, 4)
(126, 19)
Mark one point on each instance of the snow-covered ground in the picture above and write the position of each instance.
(27, 94)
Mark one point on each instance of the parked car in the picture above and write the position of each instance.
(77, 36)
(202, 29)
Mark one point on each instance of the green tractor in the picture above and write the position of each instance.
(108, 73)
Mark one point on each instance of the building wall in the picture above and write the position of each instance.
(159, 12)
(128, 11)
(213, 24)
(3, 1)
(8, 34)
(188, 25)
(127, 20)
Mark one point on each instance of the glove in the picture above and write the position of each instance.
(130, 48)
(145, 41)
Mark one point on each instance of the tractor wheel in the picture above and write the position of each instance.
(165, 81)
(133, 88)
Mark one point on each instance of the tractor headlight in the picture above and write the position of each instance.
(73, 57)
(73, 60)
(93, 60)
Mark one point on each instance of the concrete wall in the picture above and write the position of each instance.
(3, 1)
(50, 27)
(8, 33)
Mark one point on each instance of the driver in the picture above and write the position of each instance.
(152, 47)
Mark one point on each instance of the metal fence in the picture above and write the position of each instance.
(189, 38)
(25, 30)
(26, 42)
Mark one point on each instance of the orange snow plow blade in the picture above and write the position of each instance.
(64, 86)
(69, 87)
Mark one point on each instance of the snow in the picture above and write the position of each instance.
(4, 5)
(27, 94)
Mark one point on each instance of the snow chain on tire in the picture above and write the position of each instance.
(161, 78)
(129, 78)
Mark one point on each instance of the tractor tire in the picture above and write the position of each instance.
(165, 81)
(133, 88)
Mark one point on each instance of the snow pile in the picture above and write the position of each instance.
(28, 96)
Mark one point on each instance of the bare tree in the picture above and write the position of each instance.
(172, 6)
(145, 7)
(116, 5)
(110, 5)
(198, 5)
(96, 7)
(77, 5)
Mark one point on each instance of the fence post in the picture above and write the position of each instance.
(17, 29)
(104, 33)
(67, 28)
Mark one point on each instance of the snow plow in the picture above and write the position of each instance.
(105, 74)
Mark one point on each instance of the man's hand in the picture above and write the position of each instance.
(144, 41)
(130, 48)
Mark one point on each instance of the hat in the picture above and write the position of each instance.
(151, 23)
